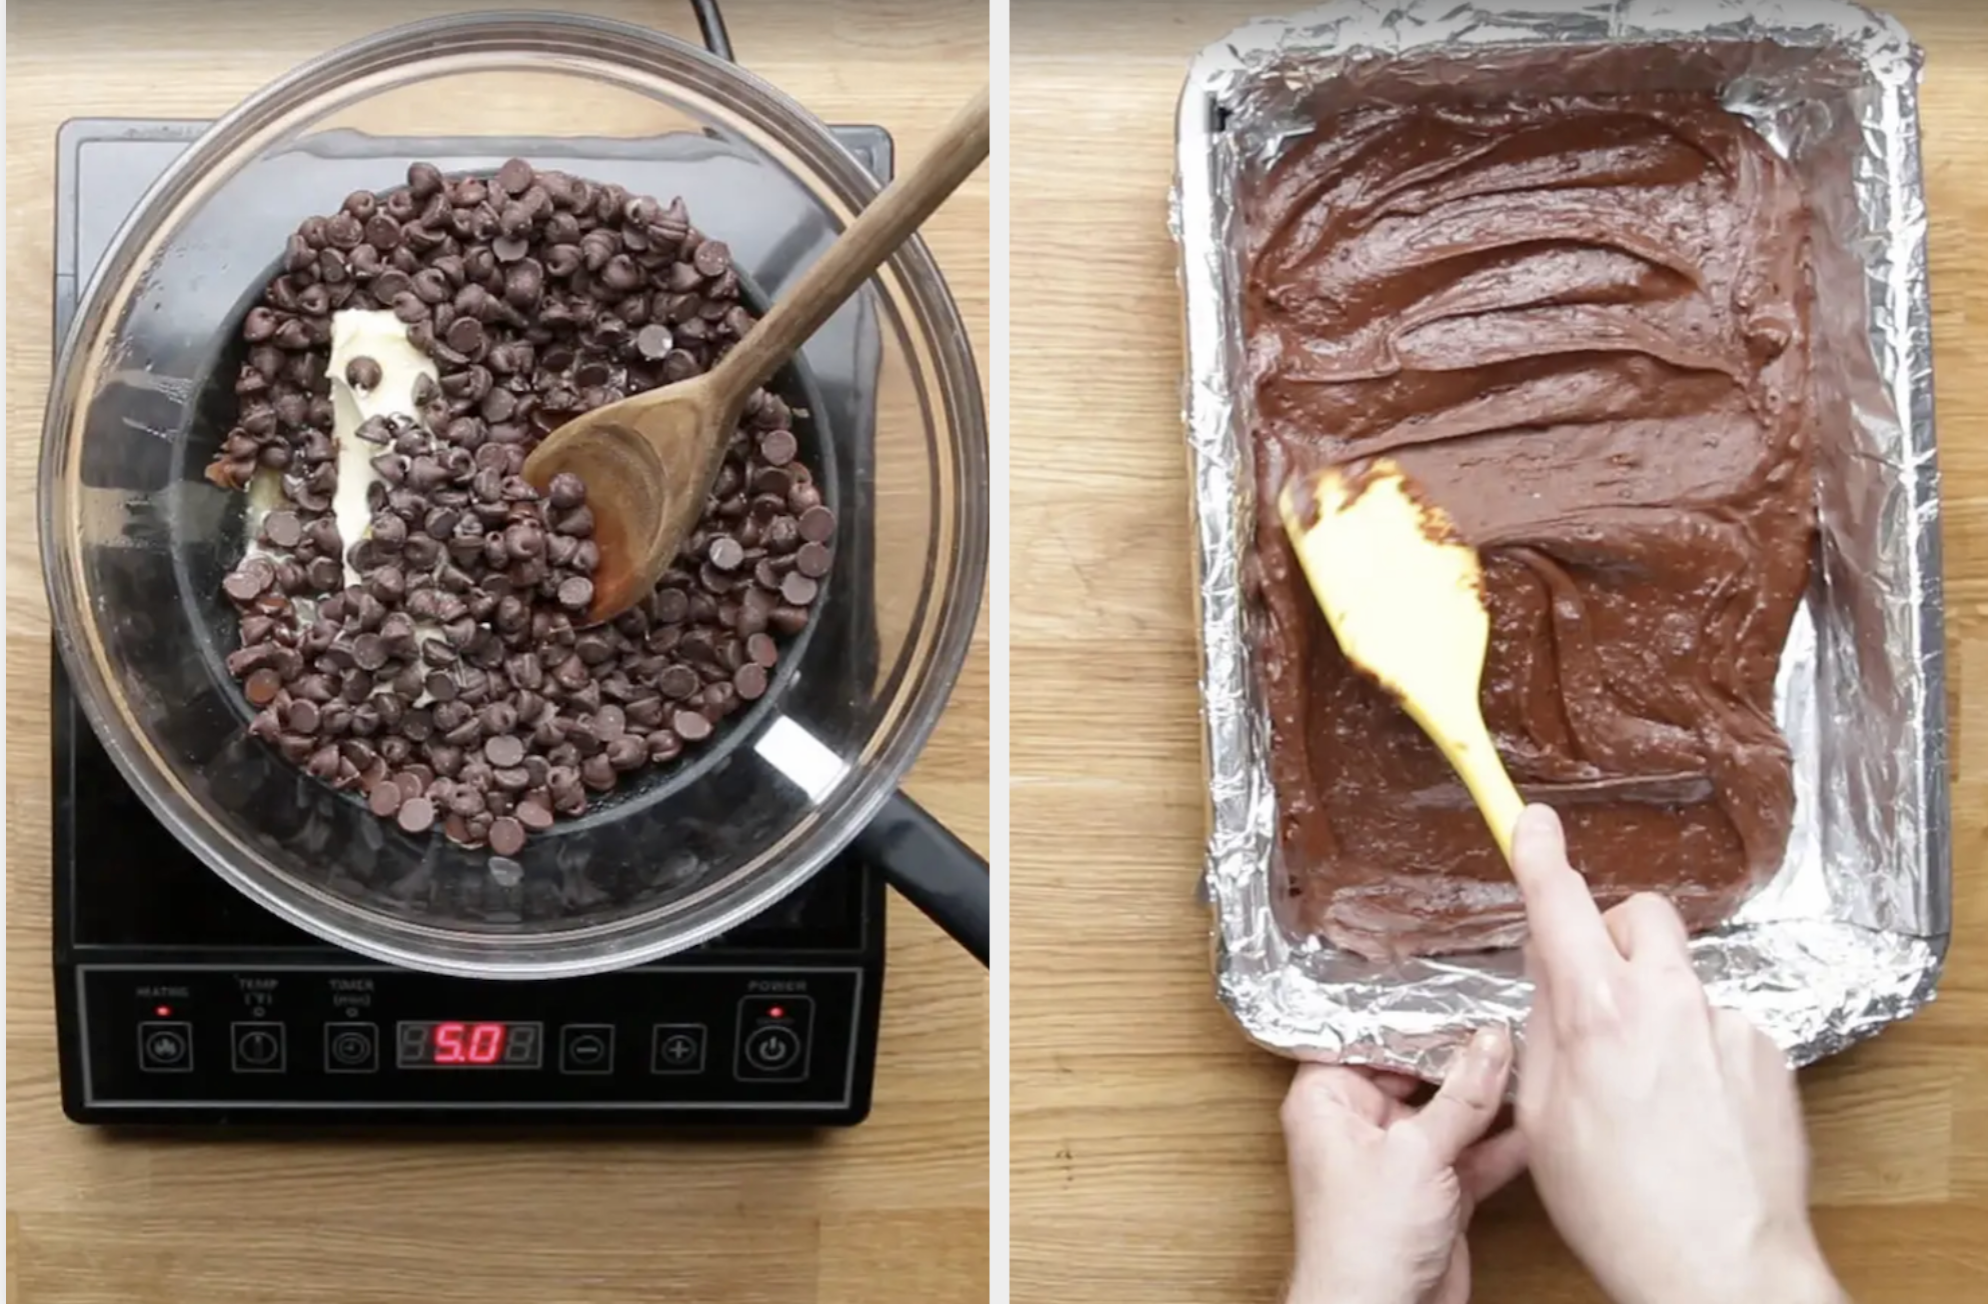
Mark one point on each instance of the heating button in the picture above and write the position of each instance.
(165, 1047)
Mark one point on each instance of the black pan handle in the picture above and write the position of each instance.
(920, 857)
(932, 868)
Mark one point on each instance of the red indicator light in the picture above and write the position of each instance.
(776, 1012)
(164, 1011)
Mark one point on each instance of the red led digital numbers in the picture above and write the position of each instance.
(486, 1043)
(468, 1043)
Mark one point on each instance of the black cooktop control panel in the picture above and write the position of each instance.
(323, 1039)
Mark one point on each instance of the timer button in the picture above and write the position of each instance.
(258, 1047)
(586, 1048)
(351, 1047)
(165, 1047)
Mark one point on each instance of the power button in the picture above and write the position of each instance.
(773, 1050)
(774, 1033)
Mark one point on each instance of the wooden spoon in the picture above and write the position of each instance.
(648, 461)
(1405, 598)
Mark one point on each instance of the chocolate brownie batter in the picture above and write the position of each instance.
(1581, 326)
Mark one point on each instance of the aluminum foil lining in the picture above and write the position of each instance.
(1850, 933)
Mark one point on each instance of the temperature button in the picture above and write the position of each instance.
(258, 1047)
(351, 1047)
(165, 1047)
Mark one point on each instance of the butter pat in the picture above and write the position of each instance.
(381, 336)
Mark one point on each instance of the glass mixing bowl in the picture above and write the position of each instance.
(135, 541)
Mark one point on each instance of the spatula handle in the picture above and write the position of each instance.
(875, 234)
(1475, 759)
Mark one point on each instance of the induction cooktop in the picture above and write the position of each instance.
(180, 1001)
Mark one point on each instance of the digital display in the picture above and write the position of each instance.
(449, 1044)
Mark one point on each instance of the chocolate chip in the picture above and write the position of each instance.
(465, 335)
(504, 750)
(507, 836)
(385, 799)
(301, 716)
(779, 447)
(713, 258)
(248, 581)
(654, 341)
(597, 772)
(679, 681)
(416, 815)
(282, 529)
(576, 593)
(363, 373)
(691, 726)
(798, 589)
(813, 560)
(671, 605)
(750, 681)
(817, 525)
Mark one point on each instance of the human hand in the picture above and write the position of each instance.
(1665, 1136)
(1382, 1191)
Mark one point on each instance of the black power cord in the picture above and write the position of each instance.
(711, 24)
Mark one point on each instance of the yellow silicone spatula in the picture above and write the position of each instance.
(1405, 598)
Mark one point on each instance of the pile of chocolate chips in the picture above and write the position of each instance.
(451, 686)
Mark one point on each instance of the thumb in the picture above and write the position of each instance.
(1463, 1108)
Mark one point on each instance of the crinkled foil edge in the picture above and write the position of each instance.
(1850, 934)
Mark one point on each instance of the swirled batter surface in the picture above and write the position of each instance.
(1582, 327)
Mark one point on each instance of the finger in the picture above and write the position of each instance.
(1487, 1167)
(1567, 932)
(1324, 1094)
(1395, 1086)
(1462, 1109)
(1648, 930)
(1571, 959)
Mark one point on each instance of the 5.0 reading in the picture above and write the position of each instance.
(439, 1043)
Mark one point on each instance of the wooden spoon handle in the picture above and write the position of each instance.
(875, 234)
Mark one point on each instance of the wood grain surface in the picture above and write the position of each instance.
(894, 1210)
(1145, 1159)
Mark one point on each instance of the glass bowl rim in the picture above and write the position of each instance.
(311, 90)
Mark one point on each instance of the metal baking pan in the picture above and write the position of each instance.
(1849, 934)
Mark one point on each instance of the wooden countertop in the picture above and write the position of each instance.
(893, 1210)
(1145, 1159)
